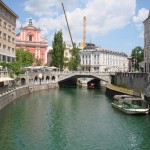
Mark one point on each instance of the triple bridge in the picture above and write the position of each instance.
(72, 78)
(63, 78)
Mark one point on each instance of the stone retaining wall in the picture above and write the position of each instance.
(136, 81)
(9, 96)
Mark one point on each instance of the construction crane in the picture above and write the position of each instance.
(67, 24)
(84, 31)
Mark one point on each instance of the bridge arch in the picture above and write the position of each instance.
(23, 81)
(47, 78)
(72, 78)
(53, 78)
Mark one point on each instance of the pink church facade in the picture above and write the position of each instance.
(30, 39)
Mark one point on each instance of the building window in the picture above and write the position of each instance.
(13, 40)
(4, 36)
(13, 30)
(9, 28)
(4, 58)
(5, 25)
(30, 37)
(9, 49)
(8, 38)
(8, 59)
(0, 34)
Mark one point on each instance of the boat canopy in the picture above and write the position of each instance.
(132, 100)
(118, 97)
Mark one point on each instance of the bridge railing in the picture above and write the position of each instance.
(84, 72)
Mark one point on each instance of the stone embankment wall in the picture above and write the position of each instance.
(137, 81)
(9, 96)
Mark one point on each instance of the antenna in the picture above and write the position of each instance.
(67, 25)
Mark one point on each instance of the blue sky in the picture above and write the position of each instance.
(112, 24)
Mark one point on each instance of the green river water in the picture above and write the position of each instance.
(71, 119)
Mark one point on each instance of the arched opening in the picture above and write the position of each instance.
(36, 78)
(94, 83)
(53, 78)
(23, 81)
(47, 78)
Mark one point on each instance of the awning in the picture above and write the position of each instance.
(6, 79)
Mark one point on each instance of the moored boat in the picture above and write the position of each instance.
(129, 104)
(91, 86)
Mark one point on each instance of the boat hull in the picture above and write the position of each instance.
(131, 111)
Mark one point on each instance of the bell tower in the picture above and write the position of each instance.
(147, 44)
(30, 22)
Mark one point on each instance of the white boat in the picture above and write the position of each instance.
(129, 104)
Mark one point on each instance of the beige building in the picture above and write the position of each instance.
(147, 44)
(7, 33)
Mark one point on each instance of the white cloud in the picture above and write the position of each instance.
(140, 17)
(138, 20)
(102, 16)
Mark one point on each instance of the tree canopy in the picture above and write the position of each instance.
(137, 56)
(74, 63)
(24, 57)
(58, 50)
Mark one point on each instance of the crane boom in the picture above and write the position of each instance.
(67, 25)
(84, 31)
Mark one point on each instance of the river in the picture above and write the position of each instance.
(71, 119)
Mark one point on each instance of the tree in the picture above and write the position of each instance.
(58, 50)
(137, 56)
(24, 57)
(74, 63)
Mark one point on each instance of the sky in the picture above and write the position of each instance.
(111, 24)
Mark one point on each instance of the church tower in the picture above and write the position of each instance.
(147, 44)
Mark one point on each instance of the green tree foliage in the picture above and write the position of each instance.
(74, 63)
(58, 50)
(24, 57)
(137, 56)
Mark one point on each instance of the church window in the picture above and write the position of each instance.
(30, 37)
